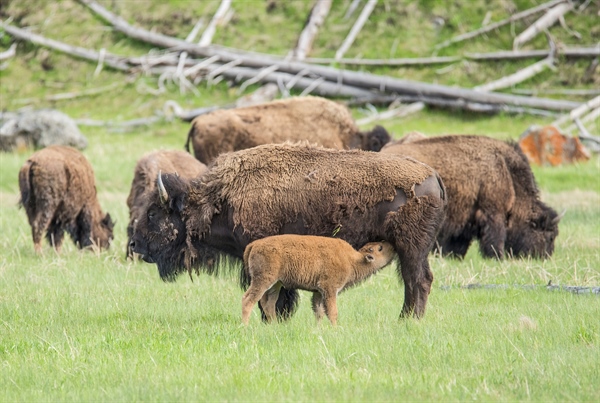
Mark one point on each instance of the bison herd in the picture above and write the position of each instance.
(301, 168)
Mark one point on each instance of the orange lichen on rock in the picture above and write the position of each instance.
(548, 146)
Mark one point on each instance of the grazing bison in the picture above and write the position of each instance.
(316, 120)
(322, 265)
(300, 189)
(58, 192)
(144, 179)
(492, 196)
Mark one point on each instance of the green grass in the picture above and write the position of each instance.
(82, 326)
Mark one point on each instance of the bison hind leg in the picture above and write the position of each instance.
(55, 235)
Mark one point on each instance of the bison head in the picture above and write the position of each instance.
(375, 139)
(103, 232)
(159, 235)
(534, 234)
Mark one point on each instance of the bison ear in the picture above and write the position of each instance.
(369, 258)
(177, 203)
(108, 222)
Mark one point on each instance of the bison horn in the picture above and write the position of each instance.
(559, 217)
(162, 192)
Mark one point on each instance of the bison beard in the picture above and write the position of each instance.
(298, 189)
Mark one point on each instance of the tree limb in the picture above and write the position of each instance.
(491, 27)
(317, 17)
(210, 30)
(364, 16)
(543, 23)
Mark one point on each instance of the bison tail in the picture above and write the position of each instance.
(189, 137)
(286, 306)
(25, 184)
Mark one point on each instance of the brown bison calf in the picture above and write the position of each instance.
(58, 192)
(316, 120)
(144, 179)
(322, 265)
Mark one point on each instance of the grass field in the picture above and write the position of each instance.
(86, 326)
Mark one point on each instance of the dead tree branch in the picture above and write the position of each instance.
(583, 52)
(491, 27)
(578, 112)
(10, 52)
(364, 16)
(387, 62)
(317, 17)
(543, 23)
(210, 30)
(70, 95)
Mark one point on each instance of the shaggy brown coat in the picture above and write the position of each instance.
(299, 189)
(144, 179)
(492, 196)
(325, 266)
(316, 120)
(58, 192)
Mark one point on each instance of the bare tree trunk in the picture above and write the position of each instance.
(491, 27)
(317, 17)
(578, 112)
(518, 77)
(364, 16)
(210, 30)
(545, 22)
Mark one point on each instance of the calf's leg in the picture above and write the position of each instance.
(317, 305)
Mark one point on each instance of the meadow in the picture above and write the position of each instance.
(93, 326)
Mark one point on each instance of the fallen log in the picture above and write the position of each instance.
(360, 21)
(518, 77)
(543, 23)
(581, 52)
(556, 91)
(10, 52)
(210, 30)
(491, 27)
(350, 78)
(318, 13)
(578, 111)
(417, 61)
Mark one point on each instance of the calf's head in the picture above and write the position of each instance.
(159, 235)
(102, 232)
(377, 254)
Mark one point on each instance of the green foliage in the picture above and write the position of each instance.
(85, 326)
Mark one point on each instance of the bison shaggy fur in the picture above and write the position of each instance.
(301, 189)
(492, 196)
(58, 192)
(145, 174)
(316, 120)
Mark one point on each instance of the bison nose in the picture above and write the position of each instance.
(132, 244)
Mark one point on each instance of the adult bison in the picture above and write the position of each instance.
(144, 179)
(295, 189)
(492, 196)
(316, 120)
(58, 192)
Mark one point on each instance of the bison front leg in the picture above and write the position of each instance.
(414, 229)
(492, 234)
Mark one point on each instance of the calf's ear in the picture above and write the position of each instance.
(369, 258)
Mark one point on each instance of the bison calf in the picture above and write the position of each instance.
(322, 265)
(58, 192)
(144, 179)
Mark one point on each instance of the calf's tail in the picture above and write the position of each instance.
(189, 138)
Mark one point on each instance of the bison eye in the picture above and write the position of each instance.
(380, 248)
(151, 214)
